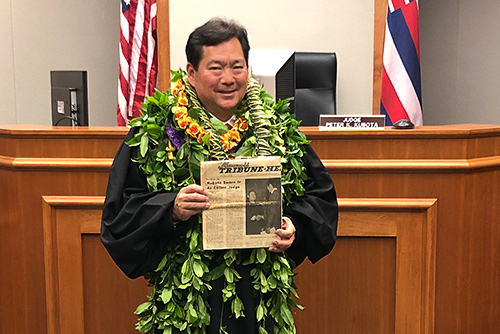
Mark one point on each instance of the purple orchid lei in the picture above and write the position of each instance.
(175, 136)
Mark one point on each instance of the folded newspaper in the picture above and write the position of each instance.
(245, 202)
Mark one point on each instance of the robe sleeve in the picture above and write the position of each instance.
(136, 225)
(315, 214)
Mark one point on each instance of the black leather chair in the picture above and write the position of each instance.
(316, 85)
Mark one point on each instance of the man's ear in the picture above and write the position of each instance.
(190, 72)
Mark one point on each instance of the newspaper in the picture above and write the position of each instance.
(245, 202)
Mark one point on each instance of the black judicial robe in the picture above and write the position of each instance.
(137, 228)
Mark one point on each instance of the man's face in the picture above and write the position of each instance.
(221, 78)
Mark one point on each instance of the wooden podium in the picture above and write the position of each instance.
(418, 248)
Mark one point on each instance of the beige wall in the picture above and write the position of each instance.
(460, 42)
(40, 36)
(342, 26)
(7, 80)
(460, 61)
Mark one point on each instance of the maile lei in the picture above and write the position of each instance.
(175, 133)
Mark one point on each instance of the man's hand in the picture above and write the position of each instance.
(286, 236)
(190, 200)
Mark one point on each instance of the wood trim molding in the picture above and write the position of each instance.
(163, 32)
(41, 132)
(56, 164)
(332, 165)
(378, 51)
(421, 165)
(63, 260)
(385, 204)
(415, 236)
(66, 219)
(452, 131)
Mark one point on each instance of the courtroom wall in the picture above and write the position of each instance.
(459, 40)
(39, 36)
(342, 26)
(460, 48)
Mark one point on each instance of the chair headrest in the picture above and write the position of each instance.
(315, 69)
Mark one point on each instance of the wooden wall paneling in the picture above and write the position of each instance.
(27, 243)
(460, 167)
(29, 141)
(110, 298)
(39, 161)
(11, 286)
(438, 143)
(480, 263)
(468, 234)
(64, 288)
(379, 21)
(332, 297)
(66, 219)
(359, 269)
(86, 292)
(163, 30)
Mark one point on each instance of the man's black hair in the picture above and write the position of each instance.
(212, 33)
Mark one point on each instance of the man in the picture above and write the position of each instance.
(140, 226)
(220, 78)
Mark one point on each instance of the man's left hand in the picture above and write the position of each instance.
(286, 236)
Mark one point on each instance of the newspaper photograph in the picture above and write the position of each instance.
(245, 202)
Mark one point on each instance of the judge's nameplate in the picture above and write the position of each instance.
(351, 122)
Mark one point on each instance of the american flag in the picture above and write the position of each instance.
(138, 57)
(401, 96)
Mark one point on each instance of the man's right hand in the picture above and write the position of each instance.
(190, 200)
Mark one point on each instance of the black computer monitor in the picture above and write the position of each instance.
(69, 98)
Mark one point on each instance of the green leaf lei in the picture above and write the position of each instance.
(178, 302)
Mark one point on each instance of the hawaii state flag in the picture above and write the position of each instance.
(138, 57)
(401, 95)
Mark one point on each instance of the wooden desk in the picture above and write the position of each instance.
(457, 165)
(418, 248)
